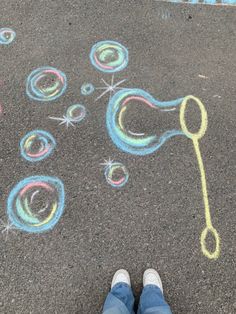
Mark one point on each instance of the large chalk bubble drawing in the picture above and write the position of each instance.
(7, 35)
(140, 144)
(46, 84)
(36, 203)
(126, 140)
(37, 145)
(109, 56)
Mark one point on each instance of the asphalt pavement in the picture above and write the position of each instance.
(156, 218)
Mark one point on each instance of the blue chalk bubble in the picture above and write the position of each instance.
(46, 84)
(37, 145)
(23, 207)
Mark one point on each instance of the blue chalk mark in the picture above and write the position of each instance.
(124, 141)
(21, 218)
(47, 142)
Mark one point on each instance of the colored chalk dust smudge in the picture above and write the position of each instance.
(36, 203)
(46, 84)
(134, 142)
(109, 56)
(37, 145)
(7, 35)
(76, 113)
(116, 174)
(87, 89)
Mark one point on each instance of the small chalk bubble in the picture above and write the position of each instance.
(76, 113)
(116, 174)
(87, 89)
(7, 35)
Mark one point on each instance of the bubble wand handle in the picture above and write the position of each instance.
(195, 138)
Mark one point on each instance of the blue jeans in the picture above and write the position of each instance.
(120, 300)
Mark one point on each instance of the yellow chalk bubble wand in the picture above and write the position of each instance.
(195, 137)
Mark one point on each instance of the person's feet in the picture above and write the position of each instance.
(121, 276)
(151, 277)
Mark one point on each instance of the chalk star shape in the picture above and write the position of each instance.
(109, 88)
(64, 120)
(107, 163)
(7, 227)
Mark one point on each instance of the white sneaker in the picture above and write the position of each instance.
(151, 277)
(121, 276)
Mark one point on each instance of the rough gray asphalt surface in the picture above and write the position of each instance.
(156, 219)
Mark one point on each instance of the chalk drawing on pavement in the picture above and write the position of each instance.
(74, 115)
(110, 88)
(37, 145)
(7, 228)
(7, 35)
(109, 56)
(36, 203)
(87, 89)
(116, 173)
(46, 84)
(195, 137)
(127, 140)
(142, 144)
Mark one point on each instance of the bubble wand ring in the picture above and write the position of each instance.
(195, 137)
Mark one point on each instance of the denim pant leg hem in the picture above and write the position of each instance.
(120, 300)
(152, 301)
(158, 310)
